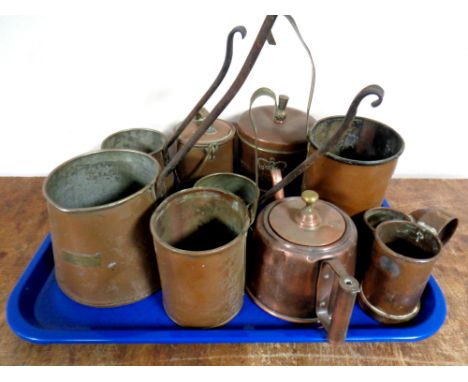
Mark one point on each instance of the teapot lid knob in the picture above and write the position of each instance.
(310, 197)
(308, 217)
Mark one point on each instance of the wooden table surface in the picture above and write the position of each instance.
(23, 225)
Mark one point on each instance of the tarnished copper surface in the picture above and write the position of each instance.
(439, 221)
(402, 259)
(355, 174)
(212, 153)
(99, 209)
(199, 236)
(282, 276)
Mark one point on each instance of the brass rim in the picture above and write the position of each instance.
(380, 315)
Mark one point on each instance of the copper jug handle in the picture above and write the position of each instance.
(347, 123)
(249, 62)
(439, 222)
(335, 319)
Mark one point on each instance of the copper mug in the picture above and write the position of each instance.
(200, 237)
(403, 256)
(99, 207)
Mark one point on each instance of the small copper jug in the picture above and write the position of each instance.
(300, 261)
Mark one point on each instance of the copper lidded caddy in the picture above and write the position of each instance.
(272, 137)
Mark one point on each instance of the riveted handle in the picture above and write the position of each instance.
(335, 299)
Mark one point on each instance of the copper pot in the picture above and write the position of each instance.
(300, 261)
(354, 174)
(212, 153)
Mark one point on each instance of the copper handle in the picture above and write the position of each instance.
(439, 222)
(276, 177)
(335, 319)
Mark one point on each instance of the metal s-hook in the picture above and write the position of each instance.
(352, 110)
(222, 73)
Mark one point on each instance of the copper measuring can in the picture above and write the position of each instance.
(99, 208)
(148, 141)
(212, 153)
(200, 236)
(354, 174)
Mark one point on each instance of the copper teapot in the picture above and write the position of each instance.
(303, 253)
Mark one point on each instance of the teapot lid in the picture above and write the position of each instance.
(307, 220)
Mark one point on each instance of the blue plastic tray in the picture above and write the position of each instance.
(39, 312)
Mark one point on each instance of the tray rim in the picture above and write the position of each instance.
(27, 331)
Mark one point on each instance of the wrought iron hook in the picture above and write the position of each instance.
(368, 90)
(224, 69)
(225, 100)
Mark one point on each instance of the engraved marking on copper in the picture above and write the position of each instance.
(85, 260)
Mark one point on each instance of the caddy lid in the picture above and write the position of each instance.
(281, 129)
